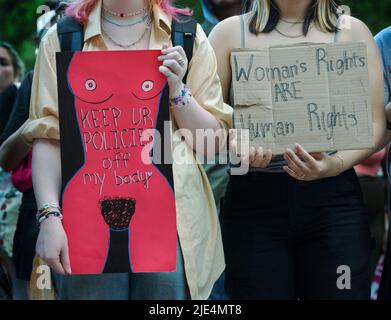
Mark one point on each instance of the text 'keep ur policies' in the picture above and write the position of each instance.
(313, 94)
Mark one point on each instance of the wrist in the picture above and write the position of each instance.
(48, 210)
(181, 98)
(50, 221)
(175, 90)
(339, 165)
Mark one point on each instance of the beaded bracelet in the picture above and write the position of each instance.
(182, 99)
(42, 217)
(48, 205)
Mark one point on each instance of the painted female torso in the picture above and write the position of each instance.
(116, 192)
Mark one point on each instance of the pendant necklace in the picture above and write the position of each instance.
(131, 24)
(125, 15)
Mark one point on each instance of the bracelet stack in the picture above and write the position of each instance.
(182, 99)
(47, 210)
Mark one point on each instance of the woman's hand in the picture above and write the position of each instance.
(311, 166)
(174, 67)
(255, 157)
(52, 245)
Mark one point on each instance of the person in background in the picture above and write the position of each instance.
(15, 155)
(11, 72)
(374, 191)
(12, 152)
(215, 11)
(11, 66)
(383, 41)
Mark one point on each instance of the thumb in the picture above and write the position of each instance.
(64, 256)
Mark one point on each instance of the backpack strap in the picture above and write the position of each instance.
(183, 34)
(71, 34)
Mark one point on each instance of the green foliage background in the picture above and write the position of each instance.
(18, 18)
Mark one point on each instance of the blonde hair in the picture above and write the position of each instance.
(322, 12)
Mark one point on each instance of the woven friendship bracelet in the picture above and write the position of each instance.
(44, 216)
(47, 210)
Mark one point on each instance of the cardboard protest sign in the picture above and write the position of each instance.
(118, 202)
(313, 94)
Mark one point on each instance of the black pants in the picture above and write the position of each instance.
(25, 239)
(286, 239)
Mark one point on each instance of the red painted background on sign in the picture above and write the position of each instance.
(117, 98)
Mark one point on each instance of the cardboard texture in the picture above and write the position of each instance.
(313, 94)
(118, 202)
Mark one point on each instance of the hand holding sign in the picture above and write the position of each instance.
(311, 166)
(174, 68)
(255, 157)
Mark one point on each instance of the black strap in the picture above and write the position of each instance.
(70, 33)
(183, 34)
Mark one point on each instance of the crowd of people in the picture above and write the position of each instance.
(281, 231)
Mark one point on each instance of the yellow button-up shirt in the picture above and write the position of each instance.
(197, 220)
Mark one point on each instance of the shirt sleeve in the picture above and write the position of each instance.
(204, 82)
(43, 119)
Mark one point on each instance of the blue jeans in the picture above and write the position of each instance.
(218, 292)
(125, 286)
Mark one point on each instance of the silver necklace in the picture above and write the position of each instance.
(131, 24)
(127, 46)
(291, 22)
(289, 36)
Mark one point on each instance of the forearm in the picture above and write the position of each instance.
(46, 171)
(195, 119)
(353, 157)
(13, 151)
(199, 127)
